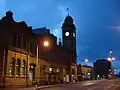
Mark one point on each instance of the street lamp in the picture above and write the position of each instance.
(113, 58)
(110, 52)
(86, 60)
(110, 58)
(46, 43)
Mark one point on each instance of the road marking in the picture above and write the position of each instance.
(111, 86)
(88, 83)
(91, 88)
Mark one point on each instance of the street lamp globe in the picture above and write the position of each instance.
(115, 70)
(86, 60)
(110, 52)
(109, 59)
(46, 43)
(113, 58)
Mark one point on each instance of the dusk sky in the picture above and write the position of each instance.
(97, 23)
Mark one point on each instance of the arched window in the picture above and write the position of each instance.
(12, 67)
(18, 67)
(23, 68)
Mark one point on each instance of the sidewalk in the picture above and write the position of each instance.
(35, 88)
(32, 88)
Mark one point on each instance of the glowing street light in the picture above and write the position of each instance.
(115, 70)
(46, 43)
(113, 58)
(109, 59)
(86, 60)
(110, 52)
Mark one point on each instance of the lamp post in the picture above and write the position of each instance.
(45, 44)
(110, 58)
(86, 60)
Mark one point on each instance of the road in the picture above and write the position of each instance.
(90, 85)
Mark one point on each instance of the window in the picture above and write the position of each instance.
(13, 40)
(24, 43)
(18, 67)
(18, 41)
(12, 67)
(31, 47)
(23, 68)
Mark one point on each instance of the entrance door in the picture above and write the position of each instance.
(32, 73)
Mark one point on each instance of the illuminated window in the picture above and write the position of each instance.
(12, 67)
(23, 68)
(18, 67)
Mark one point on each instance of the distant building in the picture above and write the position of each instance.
(102, 68)
(84, 72)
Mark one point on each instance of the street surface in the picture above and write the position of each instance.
(90, 85)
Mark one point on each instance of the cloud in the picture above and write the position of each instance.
(115, 27)
(62, 14)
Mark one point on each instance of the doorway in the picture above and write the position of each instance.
(32, 72)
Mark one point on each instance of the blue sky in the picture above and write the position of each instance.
(96, 22)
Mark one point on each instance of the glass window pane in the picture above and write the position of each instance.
(19, 41)
(12, 67)
(18, 67)
(23, 68)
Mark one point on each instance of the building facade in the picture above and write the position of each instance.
(102, 67)
(85, 72)
(28, 57)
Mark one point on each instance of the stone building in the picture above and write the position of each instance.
(16, 39)
(55, 68)
(28, 57)
(85, 72)
(102, 68)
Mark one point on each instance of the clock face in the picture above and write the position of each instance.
(67, 34)
(73, 34)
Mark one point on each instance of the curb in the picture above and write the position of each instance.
(52, 86)
(49, 86)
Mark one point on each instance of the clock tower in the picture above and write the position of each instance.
(69, 43)
(69, 36)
